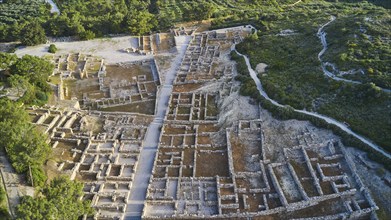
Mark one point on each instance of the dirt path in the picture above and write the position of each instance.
(14, 187)
(322, 36)
(147, 155)
(327, 119)
(110, 49)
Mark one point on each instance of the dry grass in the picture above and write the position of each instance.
(116, 73)
(212, 164)
(166, 42)
(238, 155)
(208, 128)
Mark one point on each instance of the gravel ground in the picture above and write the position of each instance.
(110, 49)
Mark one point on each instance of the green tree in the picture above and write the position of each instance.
(31, 150)
(37, 70)
(32, 34)
(35, 209)
(140, 22)
(12, 120)
(7, 60)
(14, 31)
(4, 215)
(58, 200)
(28, 74)
(19, 82)
(2, 194)
(87, 35)
(24, 144)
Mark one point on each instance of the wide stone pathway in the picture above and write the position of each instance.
(149, 149)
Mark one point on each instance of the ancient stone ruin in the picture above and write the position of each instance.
(203, 170)
(207, 165)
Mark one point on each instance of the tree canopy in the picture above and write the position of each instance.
(85, 19)
(32, 34)
(28, 74)
(25, 145)
(58, 200)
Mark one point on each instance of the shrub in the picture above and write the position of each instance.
(4, 215)
(38, 175)
(41, 96)
(58, 200)
(32, 34)
(87, 35)
(52, 48)
(2, 194)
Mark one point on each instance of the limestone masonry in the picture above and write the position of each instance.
(208, 163)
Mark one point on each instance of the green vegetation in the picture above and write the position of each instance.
(21, 20)
(294, 76)
(52, 48)
(27, 21)
(223, 13)
(25, 146)
(101, 17)
(4, 215)
(32, 34)
(28, 75)
(58, 200)
(13, 11)
(88, 19)
(248, 88)
(169, 12)
(361, 41)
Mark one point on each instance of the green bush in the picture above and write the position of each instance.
(87, 35)
(42, 96)
(32, 34)
(2, 194)
(39, 176)
(58, 200)
(4, 214)
(24, 144)
(28, 74)
(52, 48)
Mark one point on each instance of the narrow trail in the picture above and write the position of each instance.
(291, 5)
(329, 120)
(148, 152)
(54, 8)
(14, 184)
(322, 36)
